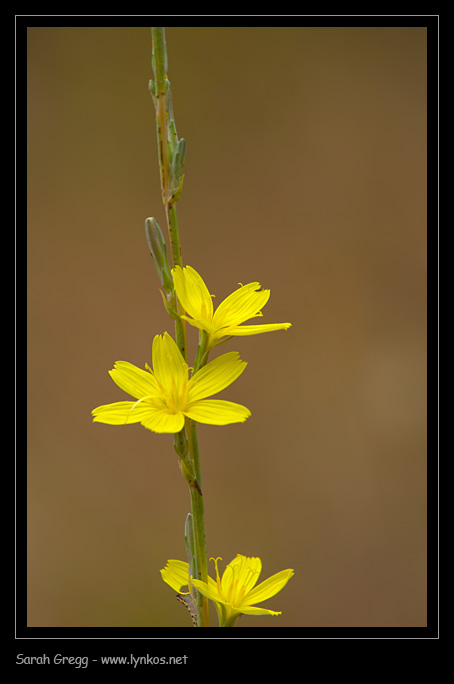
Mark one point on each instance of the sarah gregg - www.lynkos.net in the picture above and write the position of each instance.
(81, 662)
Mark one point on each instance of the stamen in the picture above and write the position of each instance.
(218, 579)
(151, 398)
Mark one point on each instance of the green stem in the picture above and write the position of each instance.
(162, 89)
(202, 353)
(197, 494)
(162, 86)
(186, 444)
(159, 63)
(198, 514)
(174, 234)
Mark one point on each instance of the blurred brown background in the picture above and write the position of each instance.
(306, 171)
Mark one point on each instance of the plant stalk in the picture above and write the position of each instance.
(186, 444)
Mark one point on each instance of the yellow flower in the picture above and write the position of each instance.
(235, 593)
(166, 395)
(240, 306)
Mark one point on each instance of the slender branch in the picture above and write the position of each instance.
(198, 514)
(171, 155)
(197, 494)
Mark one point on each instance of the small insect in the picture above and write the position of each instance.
(189, 602)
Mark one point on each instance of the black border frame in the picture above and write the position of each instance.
(37, 640)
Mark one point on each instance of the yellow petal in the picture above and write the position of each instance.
(119, 413)
(200, 323)
(209, 590)
(176, 575)
(268, 588)
(244, 303)
(192, 292)
(217, 412)
(169, 365)
(252, 610)
(215, 376)
(135, 381)
(257, 329)
(160, 420)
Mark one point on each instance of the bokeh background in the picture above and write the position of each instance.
(306, 171)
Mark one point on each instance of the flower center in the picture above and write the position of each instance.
(173, 396)
(176, 397)
(238, 588)
(175, 391)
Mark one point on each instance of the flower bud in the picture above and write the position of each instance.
(189, 542)
(158, 249)
(178, 169)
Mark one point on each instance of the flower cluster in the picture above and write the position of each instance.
(170, 393)
(166, 395)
